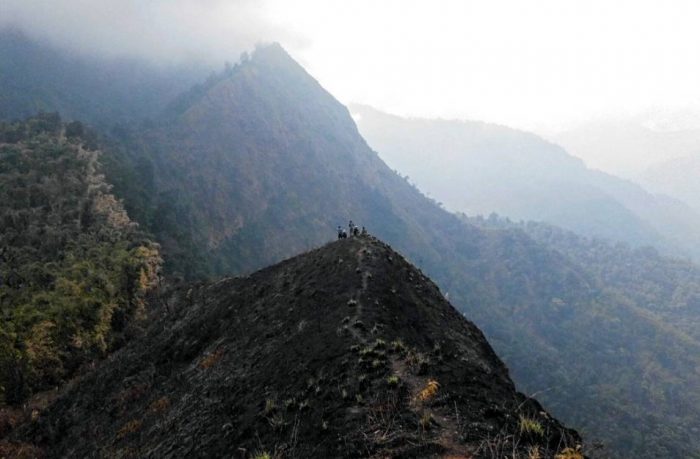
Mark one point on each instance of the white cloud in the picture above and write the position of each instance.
(529, 64)
(161, 29)
(540, 64)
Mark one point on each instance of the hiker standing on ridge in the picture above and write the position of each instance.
(341, 233)
(351, 228)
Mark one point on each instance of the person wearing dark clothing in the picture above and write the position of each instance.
(342, 234)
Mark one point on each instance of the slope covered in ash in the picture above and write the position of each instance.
(345, 351)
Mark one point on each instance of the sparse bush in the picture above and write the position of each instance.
(397, 346)
(366, 351)
(270, 406)
(277, 421)
(417, 361)
(392, 380)
(531, 426)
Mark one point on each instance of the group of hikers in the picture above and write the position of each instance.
(353, 230)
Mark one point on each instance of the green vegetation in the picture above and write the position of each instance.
(73, 267)
(530, 426)
(622, 351)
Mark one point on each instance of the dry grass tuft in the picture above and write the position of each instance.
(19, 450)
(570, 453)
(211, 359)
(159, 405)
(429, 391)
(130, 427)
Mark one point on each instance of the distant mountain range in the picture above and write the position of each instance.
(679, 177)
(259, 163)
(479, 168)
(628, 145)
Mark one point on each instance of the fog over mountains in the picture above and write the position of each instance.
(676, 177)
(479, 168)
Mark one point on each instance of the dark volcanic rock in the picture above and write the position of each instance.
(345, 351)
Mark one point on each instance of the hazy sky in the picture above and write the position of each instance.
(532, 64)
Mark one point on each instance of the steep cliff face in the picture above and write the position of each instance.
(345, 351)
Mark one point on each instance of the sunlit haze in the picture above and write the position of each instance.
(543, 65)
(537, 64)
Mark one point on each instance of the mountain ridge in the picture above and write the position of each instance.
(328, 353)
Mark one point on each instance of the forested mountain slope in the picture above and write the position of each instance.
(668, 288)
(479, 168)
(73, 267)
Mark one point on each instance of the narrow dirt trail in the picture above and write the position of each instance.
(444, 420)
(356, 325)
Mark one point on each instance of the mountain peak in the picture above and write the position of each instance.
(347, 350)
(275, 56)
(271, 50)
